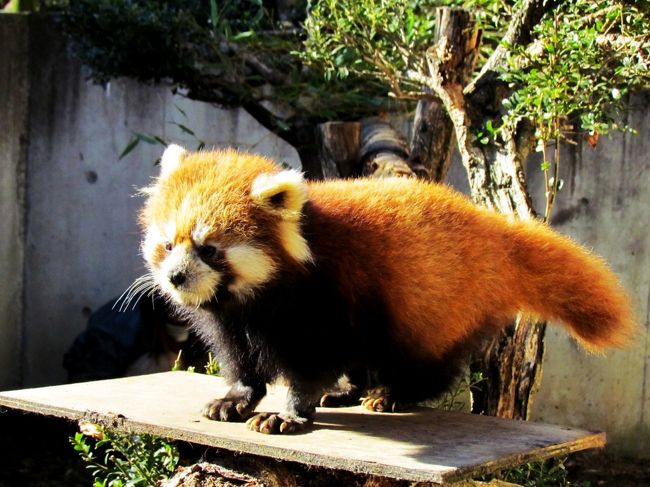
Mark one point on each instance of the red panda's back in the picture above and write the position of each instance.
(421, 248)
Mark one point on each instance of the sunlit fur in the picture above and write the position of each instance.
(396, 274)
(197, 215)
(171, 159)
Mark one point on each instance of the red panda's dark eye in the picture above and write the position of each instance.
(169, 246)
(206, 251)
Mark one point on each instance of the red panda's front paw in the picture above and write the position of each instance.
(382, 401)
(272, 424)
(228, 409)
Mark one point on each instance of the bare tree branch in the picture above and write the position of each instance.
(432, 138)
(518, 32)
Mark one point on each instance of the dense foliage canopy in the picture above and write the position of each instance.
(581, 59)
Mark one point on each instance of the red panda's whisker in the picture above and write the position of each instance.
(140, 285)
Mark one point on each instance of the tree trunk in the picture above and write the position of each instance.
(370, 148)
(432, 141)
(338, 148)
(511, 363)
(432, 138)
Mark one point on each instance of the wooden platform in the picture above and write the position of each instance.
(422, 445)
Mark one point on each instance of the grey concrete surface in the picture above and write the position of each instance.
(14, 89)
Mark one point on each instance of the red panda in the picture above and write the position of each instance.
(388, 281)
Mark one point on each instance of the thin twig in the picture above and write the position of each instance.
(519, 30)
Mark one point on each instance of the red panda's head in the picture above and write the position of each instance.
(221, 221)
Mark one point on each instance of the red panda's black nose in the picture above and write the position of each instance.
(177, 278)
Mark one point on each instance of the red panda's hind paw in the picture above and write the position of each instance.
(228, 409)
(339, 399)
(382, 401)
(273, 424)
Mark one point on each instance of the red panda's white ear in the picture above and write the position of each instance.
(284, 193)
(171, 159)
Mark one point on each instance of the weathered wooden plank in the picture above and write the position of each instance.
(422, 445)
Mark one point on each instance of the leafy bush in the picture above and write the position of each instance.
(119, 459)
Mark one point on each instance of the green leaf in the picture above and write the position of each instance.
(133, 143)
(243, 35)
(160, 141)
(214, 15)
(184, 128)
(282, 124)
(150, 139)
(182, 112)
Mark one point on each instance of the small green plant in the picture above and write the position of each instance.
(212, 367)
(118, 459)
(574, 78)
(549, 473)
(178, 364)
(454, 399)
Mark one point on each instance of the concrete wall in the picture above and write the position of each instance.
(81, 242)
(14, 89)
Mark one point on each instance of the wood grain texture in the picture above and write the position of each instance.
(422, 445)
(338, 146)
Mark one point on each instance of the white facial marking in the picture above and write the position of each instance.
(169, 232)
(251, 266)
(151, 240)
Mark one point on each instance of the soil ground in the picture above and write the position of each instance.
(598, 468)
(35, 451)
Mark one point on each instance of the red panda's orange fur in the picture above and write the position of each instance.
(441, 259)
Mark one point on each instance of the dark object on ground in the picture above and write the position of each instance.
(597, 468)
(142, 339)
(35, 451)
